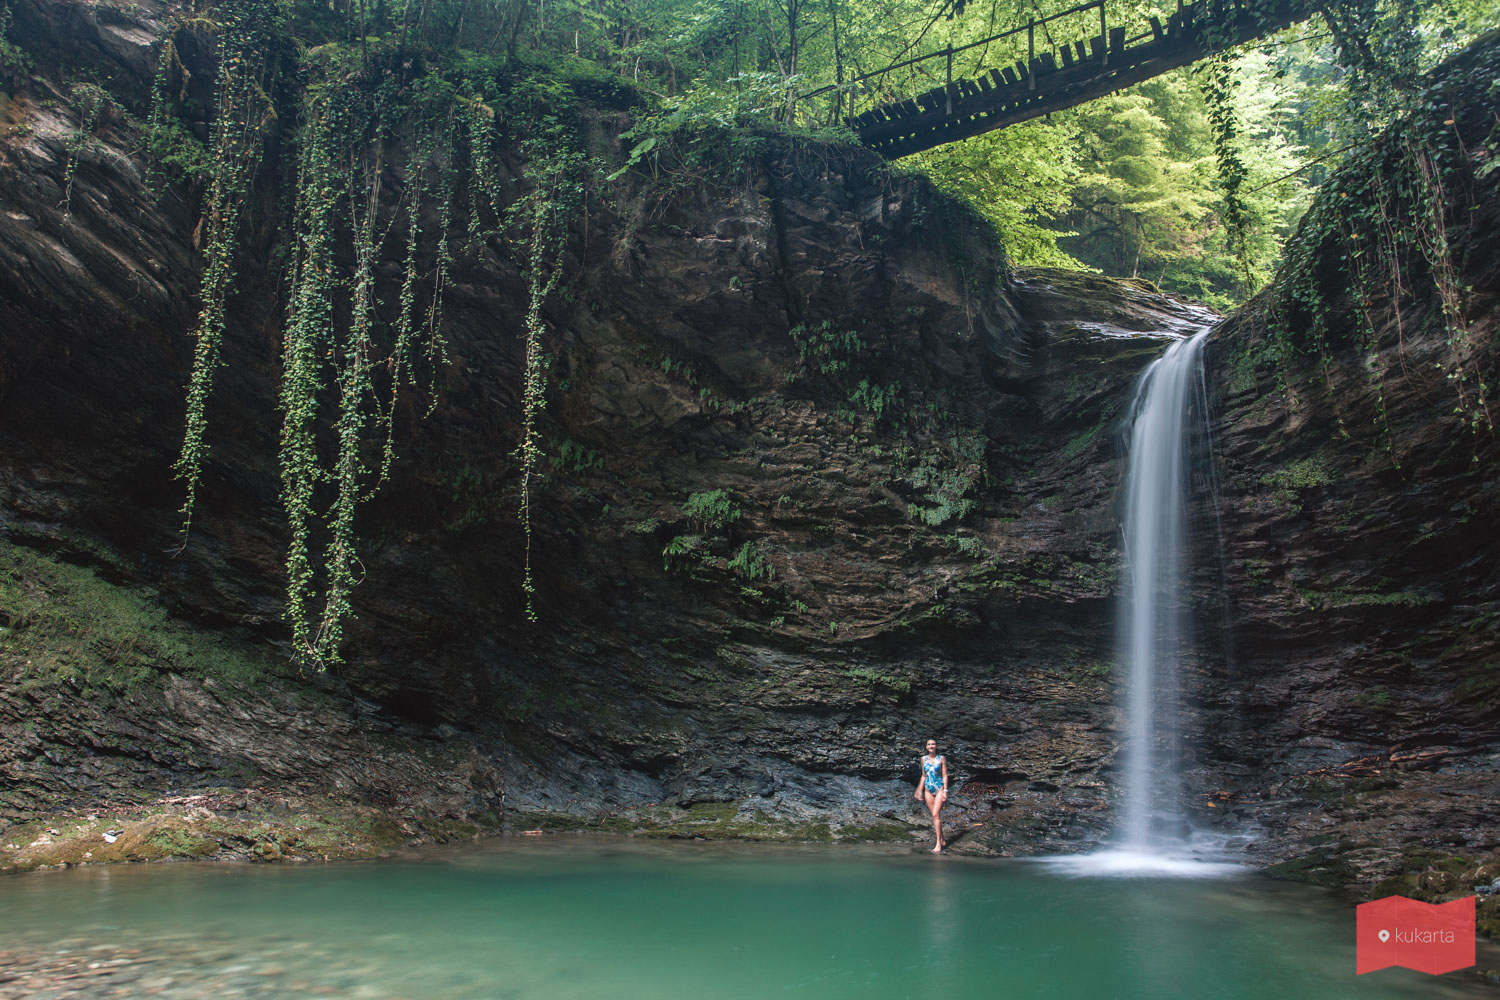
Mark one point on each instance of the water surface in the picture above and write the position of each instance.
(574, 917)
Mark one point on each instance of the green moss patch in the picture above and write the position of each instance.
(62, 623)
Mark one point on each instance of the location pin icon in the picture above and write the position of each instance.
(1384, 936)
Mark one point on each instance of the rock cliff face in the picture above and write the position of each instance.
(1361, 694)
(918, 460)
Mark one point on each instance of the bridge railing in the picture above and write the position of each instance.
(848, 93)
(845, 99)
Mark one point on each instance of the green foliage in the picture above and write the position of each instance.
(173, 147)
(1219, 85)
(1300, 474)
(1080, 442)
(880, 401)
(944, 494)
(683, 552)
(1020, 179)
(469, 496)
(68, 625)
(712, 510)
(16, 65)
(1098, 670)
(575, 457)
(751, 564)
(708, 129)
(825, 349)
(343, 367)
(876, 679)
(965, 545)
(1325, 600)
(1295, 477)
(93, 100)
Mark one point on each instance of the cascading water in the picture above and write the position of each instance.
(1167, 418)
(1156, 483)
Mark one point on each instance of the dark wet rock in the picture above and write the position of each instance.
(1357, 699)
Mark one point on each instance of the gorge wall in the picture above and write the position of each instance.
(919, 461)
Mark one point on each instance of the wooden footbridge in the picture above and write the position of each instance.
(1058, 77)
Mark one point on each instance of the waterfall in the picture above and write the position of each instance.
(1168, 428)
(1152, 613)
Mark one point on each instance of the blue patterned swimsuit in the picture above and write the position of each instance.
(932, 773)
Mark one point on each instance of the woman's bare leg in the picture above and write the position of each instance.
(935, 806)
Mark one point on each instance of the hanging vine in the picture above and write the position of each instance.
(341, 181)
(556, 178)
(343, 366)
(92, 100)
(1219, 84)
(307, 337)
(1381, 227)
(244, 112)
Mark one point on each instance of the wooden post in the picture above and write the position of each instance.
(1030, 53)
(948, 87)
(1104, 32)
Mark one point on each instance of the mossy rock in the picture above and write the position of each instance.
(1324, 866)
(1429, 875)
(1487, 917)
(70, 625)
(175, 843)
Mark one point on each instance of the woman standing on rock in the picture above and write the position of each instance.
(932, 788)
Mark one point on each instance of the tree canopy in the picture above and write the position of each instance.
(1131, 185)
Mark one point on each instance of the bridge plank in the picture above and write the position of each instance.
(994, 98)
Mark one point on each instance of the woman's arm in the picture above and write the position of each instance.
(921, 780)
(944, 792)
